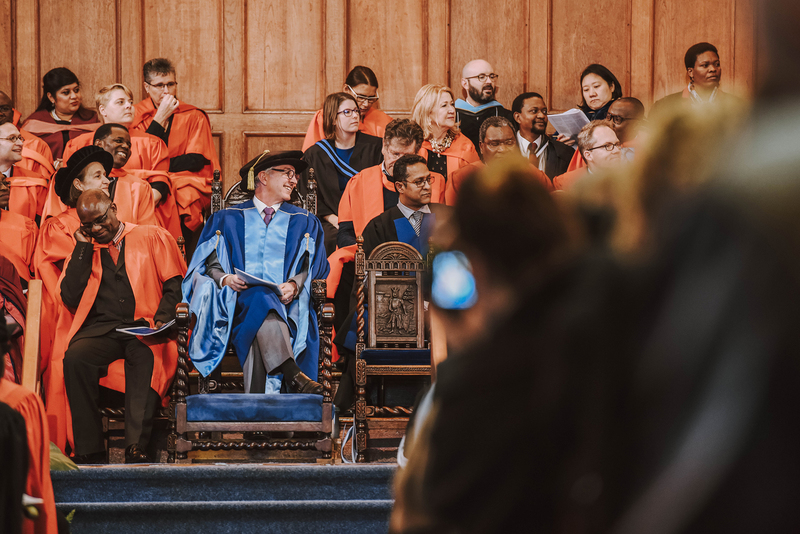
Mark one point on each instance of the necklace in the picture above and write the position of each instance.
(444, 144)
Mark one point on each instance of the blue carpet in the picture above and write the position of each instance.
(227, 498)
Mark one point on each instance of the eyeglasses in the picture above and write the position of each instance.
(5, 109)
(617, 119)
(422, 181)
(363, 98)
(482, 77)
(100, 220)
(348, 112)
(608, 146)
(13, 138)
(289, 173)
(496, 144)
(162, 86)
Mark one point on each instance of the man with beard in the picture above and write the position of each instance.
(549, 155)
(119, 275)
(497, 141)
(480, 83)
(36, 154)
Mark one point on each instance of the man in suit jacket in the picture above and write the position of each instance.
(550, 156)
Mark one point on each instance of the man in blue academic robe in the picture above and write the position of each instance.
(250, 281)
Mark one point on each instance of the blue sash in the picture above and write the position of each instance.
(340, 165)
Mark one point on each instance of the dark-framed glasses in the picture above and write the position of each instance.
(349, 112)
(482, 77)
(13, 138)
(619, 119)
(100, 220)
(422, 181)
(506, 142)
(5, 109)
(162, 86)
(363, 98)
(608, 146)
(289, 173)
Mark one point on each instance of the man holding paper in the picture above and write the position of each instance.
(120, 275)
(250, 281)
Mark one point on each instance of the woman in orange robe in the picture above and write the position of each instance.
(363, 85)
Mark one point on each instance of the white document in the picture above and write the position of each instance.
(144, 330)
(569, 123)
(251, 280)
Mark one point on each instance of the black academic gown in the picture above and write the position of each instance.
(366, 153)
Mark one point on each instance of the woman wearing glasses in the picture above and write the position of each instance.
(341, 154)
(60, 115)
(361, 84)
(444, 146)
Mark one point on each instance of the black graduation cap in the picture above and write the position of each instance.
(76, 163)
(266, 160)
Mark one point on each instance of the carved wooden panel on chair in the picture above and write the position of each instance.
(395, 306)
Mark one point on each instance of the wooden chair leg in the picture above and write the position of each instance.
(361, 411)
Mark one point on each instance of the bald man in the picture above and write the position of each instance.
(479, 82)
(120, 275)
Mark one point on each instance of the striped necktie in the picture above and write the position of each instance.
(268, 213)
(416, 221)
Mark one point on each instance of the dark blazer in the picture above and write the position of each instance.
(557, 157)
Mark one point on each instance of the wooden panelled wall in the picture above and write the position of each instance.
(261, 68)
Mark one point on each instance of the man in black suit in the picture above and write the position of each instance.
(551, 156)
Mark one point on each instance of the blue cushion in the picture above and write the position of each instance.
(254, 408)
(397, 356)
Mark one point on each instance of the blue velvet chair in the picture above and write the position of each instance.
(389, 284)
(196, 419)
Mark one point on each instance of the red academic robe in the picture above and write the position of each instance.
(374, 123)
(43, 125)
(17, 241)
(456, 179)
(28, 192)
(36, 155)
(361, 202)
(564, 182)
(28, 404)
(460, 153)
(151, 258)
(149, 161)
(190, 134)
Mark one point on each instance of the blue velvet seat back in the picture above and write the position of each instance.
(397, 356)
(254, 408)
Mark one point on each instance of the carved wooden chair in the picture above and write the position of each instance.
(390, 283)
(239, 413)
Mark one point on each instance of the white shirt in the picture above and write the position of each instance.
(408, 212)
(260, 206)
(7, 172)
(525, 145)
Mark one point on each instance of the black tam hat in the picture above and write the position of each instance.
(76, 163)
(267, 160)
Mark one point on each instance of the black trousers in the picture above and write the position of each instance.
(85, 362)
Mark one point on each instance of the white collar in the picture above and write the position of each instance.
(408, 212)
(524, 144)
(7, 172)
(260, 206)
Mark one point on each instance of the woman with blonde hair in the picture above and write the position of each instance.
(444, 146)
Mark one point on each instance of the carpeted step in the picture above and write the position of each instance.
(280, 516)
(227, 482)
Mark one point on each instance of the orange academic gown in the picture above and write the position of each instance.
(190, 134)
(374, 123)
(460, 153)
(361, 202)
(28, 404)
(565, 181)
(151, 258)
(36, 154)
(27, 192)
(149, 161)
(456, 179)
(17, 241)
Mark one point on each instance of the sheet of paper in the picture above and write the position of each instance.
(251, 280)
(569, 123)
(145, 331)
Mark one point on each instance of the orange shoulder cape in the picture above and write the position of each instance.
(18, 240)
(28, 192)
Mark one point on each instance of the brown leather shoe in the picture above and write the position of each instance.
(300, 383)
(135, 455)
